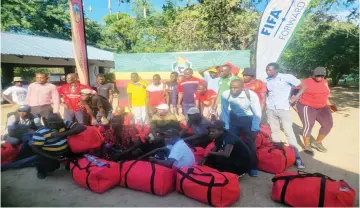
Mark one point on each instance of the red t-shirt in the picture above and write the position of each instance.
(258, 87)
(206, 98)
(156, 94)
(316, 94)
(71, 94)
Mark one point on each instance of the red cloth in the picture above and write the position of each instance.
(258, 87)
(206, 98)
(234, 69)
(71, 95)
(316, 94)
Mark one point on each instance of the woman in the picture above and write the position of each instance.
(314, 105)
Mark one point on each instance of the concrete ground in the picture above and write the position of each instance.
(22, 188)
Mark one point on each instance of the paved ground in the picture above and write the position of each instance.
(22, 188)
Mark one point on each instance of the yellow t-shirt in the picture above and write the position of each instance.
(138, 92)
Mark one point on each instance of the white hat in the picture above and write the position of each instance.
(193, 110)
(86, 91)
(18, 79)
(163, 107)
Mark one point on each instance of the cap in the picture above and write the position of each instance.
(86, 91)
(163, 107)
(319, 71)
(218, 124)
(249, 72)
(212, 69)
(18, 79)
(171, 132)
(193, 110)
(24, 108)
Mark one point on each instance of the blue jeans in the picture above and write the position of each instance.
(243, 124)
(79, 115)
(23, 163)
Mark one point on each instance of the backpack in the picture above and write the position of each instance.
(246, 92)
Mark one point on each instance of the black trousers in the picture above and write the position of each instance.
(47, 165)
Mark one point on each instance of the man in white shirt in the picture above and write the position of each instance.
(16, 94)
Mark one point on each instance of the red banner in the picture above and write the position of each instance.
(78, 40)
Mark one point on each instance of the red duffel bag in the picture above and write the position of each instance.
(9, 153)
(275, 157)
(263, 136)
(147, 177)
(87, 141)
(198, 153)
(207, 185)
(301, 189)
(95, 174)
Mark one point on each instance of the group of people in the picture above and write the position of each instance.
(165, 121)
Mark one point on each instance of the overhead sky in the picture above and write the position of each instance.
(100, 8)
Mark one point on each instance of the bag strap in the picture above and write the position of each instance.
(279, 146)
(302, 174)
(127, 172)
(152, 178)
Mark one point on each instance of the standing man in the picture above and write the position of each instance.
(156, 95)
(70, 95)
(224, 83)
(256, 85)
(104, 89)
(137, 98)
(211, 78)
(16, 94)
(205, 100)
(186, 89)
(241, 112)
(41, 95)
(171, 85)
(279, 86)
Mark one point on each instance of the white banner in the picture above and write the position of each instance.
(278, 22)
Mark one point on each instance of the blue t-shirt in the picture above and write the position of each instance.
(212, 84)
(182, 154)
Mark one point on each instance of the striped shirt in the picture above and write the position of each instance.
(54, 145)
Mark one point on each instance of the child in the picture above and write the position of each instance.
(180, 154)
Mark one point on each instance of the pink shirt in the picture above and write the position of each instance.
(45, 94)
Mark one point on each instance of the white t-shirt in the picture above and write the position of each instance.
(182, 154)
(18, 94)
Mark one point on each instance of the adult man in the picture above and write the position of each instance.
(156, 94)
(16, 94)
(137, 98)
(95, 105)
(211, 78)
(163, 120)
(50, 143)
(104, 89)
(279, 86)
(256, 85)
(230, 153)
(171, 85)
(70, 95)
(205, 100)
(199, 126)
(224, 82)
(241, 112)
(41, 95)
(186, 89)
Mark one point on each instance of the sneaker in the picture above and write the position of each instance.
(309, 150)
(254, 173)
(300, 164)
(319, 147)
(41, 175)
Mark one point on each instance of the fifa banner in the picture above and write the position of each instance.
(278, 22)
(148, 64)
(78, 40)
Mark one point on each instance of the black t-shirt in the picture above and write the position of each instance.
(103, 90)
(98, 101)
(226, 138)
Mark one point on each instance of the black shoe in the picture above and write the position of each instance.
(41, 175)
(308, 150)
(319, 147)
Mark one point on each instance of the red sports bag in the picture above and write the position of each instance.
(86, 141)
(90, 176)
(205, 184)
(147, 177)
(9, 153)
(198, 153)
(275, 157)
(303, 189)
(263, 136)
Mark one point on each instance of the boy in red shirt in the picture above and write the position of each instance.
(156, 94)
(70, 95)
(205, 100)
(251, 83)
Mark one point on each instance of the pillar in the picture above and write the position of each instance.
(7, 74)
